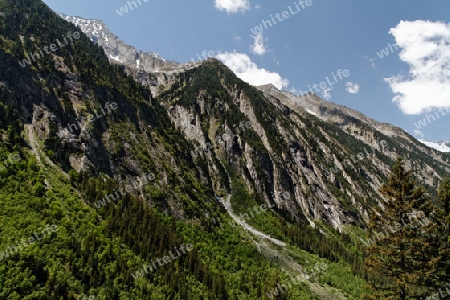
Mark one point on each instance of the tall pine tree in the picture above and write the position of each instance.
(439, 239)
(444, 249)
(393, 260)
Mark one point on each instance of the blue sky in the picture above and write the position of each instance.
(313, 41)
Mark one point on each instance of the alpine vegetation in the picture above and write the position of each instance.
(7, 162)
(165, 260)
(415, 222)
(281, 288)
(91, 118)
(128, 188)
(205, 55)
(24, 243)
(53, 48)
(440, 294)
(249, 214)
(360, 156)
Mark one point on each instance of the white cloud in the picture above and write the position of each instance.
(418, 134)
(247, 70)
(326, 93)
(258, 47)
(426, 49)
(352, 87)
(232, 6)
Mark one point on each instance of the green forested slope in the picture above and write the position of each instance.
(102, 250)
(96, 252)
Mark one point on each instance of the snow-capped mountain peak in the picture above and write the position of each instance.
(117, 50)
(440, 146)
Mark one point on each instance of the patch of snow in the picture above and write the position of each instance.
(115, 58)
(439, 146)
(311, 112)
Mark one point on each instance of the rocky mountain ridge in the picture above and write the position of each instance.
(335, 193)
(442, 146)
(326, 111)
(118, 51)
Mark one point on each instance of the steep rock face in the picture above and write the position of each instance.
(267, 172)
(62, 103)
(311, 159)
(329, 111)
(328, 168)
(367, 130)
